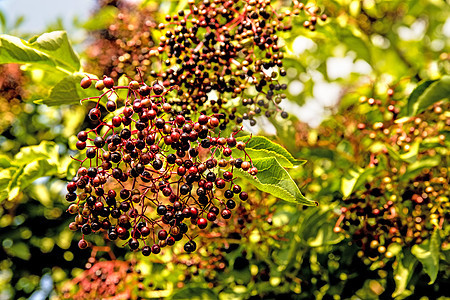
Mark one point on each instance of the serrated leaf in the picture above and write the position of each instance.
(428, 254)
(272, 178)
(51, 49)
(427, 93)
(353, 179)
(68, 91)
(262, 147)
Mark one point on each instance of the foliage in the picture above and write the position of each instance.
(377, 165)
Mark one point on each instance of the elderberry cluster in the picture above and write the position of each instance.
(374, 223)
(227, 47)
(225, 55)
(150, 178)
(106, 279)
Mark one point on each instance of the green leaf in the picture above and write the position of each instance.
(68, 91)
(427, 93)
(35, 170)
(51, 49)
(353, 179)
(262, 147)
(406, 263)
(272, 178)
(6, 176)
(428, 254)
(102, 19)
(415, 168)
(45, 150)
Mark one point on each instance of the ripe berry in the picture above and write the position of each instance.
(231, 204)
(226, 214)
(202, 223)
(236, 189)
(145, 231)
(94, 114)
(111, 106)
(231, 142)
(190, 247)
(108, 82)
(112, 235)
(158, 89)
(228, 194)
(82, 244)
(162, 234)
(70, 197)
(82, 136)
(243, 196)
(86, 229)
(156, 249)
(133, 243)
(161, 210)
(211, 217)
(227, 175)
(85, 82)
(202, 119)
(146, 251)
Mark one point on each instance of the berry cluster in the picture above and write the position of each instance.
(401, 205)
(124, 45)
(374, 223)
(148, 177)
(226, 56)
(106, 279)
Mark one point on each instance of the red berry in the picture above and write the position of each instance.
(211, 216)
(82, 244)
(202, 120)
(85, 82)
(180, 120)
(95, 114)
(202, 223)
(226, 214)
(108, 82)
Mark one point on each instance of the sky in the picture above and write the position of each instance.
(38, 14)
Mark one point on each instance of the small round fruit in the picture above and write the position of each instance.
(100, 85)
(108, 82)
(82, 244)
(85, 82)
(202, 223)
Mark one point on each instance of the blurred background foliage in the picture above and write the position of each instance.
(368, 49)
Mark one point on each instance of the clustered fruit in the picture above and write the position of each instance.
(150, 178)
(400, 205)
(124, 45)
(112, 279)
(225, 55)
